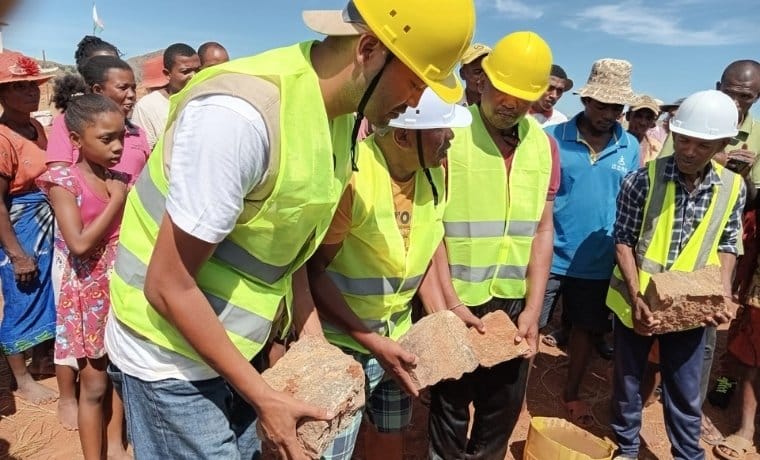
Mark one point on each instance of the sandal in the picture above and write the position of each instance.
(733, 447)
(555, 339)
(710, 434)
(579, 413)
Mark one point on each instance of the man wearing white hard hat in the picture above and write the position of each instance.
(679, 213)
(371, 262)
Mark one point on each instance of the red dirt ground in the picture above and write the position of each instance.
(31, 432)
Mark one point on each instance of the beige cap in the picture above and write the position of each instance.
(335, 22)
(475, 51)
(609, 82)
(645, 102)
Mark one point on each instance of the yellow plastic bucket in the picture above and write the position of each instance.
(557, 439)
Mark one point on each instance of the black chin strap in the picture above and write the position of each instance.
(362, 105)
(427, 171)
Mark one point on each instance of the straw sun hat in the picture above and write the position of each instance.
(610, 82)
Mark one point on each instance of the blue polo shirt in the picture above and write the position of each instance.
(584, 209)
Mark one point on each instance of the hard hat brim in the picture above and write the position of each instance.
(703, 136)
(331, 23)
(493, 77)
(462, 118)
(449, 89)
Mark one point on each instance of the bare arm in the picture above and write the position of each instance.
(643, 320)
(81, 239)
(24, 265)
(305, 317)
(541, 253)
(171, 289)
(332, 306)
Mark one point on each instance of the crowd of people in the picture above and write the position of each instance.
(164, 250)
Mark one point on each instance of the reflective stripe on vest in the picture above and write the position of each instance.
(491, 219)
(653, 246)
(374, 271)
(248, 278)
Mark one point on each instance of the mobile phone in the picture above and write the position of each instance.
(736, 165)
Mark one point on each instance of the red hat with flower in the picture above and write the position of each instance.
(17, 67)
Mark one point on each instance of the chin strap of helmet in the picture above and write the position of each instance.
(427, 171)
(362, 105)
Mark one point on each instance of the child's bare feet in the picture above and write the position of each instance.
(34, 392)
(67, 413)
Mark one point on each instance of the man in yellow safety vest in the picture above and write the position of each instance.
(237, 195)
(502, 175)
(680, 212)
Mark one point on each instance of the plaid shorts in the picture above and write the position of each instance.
(388, 408)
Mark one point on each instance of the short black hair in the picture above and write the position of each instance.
(177, 49)
(205, 47)
(95, 70)
(83, 109)
(90, 45)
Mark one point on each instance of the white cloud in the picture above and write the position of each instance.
(659, 25)
(517, 9)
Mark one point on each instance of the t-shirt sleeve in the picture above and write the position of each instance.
(59, 146)
(8, 158)
(556, 174)
(341, 222)
(58, 176)
(220, 153)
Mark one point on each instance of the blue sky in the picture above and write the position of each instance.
(676, 47)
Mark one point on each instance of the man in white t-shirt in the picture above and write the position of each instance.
(195, 290)
(181, 62)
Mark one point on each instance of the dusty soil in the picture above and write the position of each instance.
(32, 432)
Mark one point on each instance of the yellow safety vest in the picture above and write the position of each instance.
(373, 270)
(491, 219)
(283, 219)
(657, 229)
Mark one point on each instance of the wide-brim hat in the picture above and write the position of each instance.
(645, 102)
(153, 73)
(609, 82)
(346, 22)
(475, 51)
(17, 67)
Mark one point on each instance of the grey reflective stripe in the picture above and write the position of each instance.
(512, 272)
(650, 266)
(373, 286)
(713, 232)
(620, 287)
(479, 274)
(474, 229)
(235, 318)
(244, 262)
(227, 251)
(522, 228)
(656, 197)
(240, 321)
(490, 229)
(380, 326)
(151, 198)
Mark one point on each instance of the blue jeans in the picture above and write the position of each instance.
(681, 360)
(182, 419)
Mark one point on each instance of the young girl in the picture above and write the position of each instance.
(88, 200)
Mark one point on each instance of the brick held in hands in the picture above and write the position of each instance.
(682, 300)
(320, 374)
(498, 343)
(442, 348)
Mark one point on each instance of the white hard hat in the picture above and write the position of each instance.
(431, 113)
(706, 115)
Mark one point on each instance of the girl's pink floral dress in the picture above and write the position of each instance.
(84, 300)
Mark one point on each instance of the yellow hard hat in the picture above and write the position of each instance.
(520, 65)
(428, 37)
